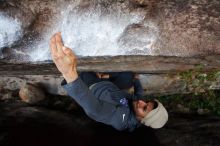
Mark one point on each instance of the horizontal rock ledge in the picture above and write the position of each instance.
(138, 64)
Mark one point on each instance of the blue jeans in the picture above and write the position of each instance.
(124, 80)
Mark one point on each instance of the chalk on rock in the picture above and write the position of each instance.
(31, 94)
(10, 30)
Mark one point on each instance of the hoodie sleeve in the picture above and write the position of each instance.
(138, 90)
(82, 95)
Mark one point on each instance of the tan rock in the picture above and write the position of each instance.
(31, 94)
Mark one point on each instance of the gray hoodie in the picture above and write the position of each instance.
(106, 103)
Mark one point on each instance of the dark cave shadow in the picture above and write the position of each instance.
(42, 130)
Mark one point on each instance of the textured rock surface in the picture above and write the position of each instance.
(15, 25)
(140, 64)
(146, 27)
(50, 83)
(31, 93)
(24, 125)
(189, 129)
(160, 84)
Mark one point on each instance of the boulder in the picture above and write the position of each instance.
(31, 94)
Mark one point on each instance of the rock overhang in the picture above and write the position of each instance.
(114, 28)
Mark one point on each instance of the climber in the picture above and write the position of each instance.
(104, 100)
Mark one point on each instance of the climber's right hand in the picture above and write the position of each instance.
(64, 58)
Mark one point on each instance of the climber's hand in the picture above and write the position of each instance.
(64, 58)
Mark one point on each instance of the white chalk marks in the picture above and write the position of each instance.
(10, 31)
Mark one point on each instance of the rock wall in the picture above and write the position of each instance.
(159, 84)
(147, 33)
(102, 28)
(159, 75)
(22, 124)
(163, 37)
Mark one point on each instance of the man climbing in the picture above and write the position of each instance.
(104, 100)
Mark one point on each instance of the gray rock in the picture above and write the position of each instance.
(14, 23)
(153, 84)
(168, 28)
(203, 111)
